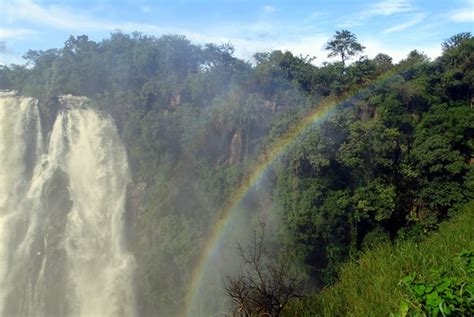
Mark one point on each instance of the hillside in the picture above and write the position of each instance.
(377, 282)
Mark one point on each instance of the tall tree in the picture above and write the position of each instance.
(344, 44)
(456, 40)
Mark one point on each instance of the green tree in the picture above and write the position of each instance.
(458, 64)
(344, 44)
(383, 63)
(441, 151)
(456, 40)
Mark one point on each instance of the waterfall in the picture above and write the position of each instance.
(61, 204)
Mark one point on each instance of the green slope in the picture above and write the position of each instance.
(373, 284)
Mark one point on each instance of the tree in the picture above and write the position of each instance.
(383, 63)
(441, 152)
(456, 40)
(458, 63)
(266, 284)
(345, 45)
(5, 74)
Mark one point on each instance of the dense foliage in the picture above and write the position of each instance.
(441, 293)
(388, 163)
(409, 278)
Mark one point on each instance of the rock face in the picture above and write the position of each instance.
(175, 101)
(235, 148)
(57, 205)
(270, 105)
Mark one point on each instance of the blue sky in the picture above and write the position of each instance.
(394, 27)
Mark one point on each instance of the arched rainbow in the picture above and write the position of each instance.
(278, 148)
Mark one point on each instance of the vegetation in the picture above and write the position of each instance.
(388, 163)
(442, 294)
(266, 283)
(345, 45)
(429, 277)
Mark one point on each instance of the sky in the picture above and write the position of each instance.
(393, 27)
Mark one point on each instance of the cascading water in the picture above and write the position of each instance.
(61, 207)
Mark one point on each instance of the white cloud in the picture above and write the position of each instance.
(53, 16)
(381, 8)
(64, 18)
(15, 33)
(388, 7)
(463, 15)
(405, 25)
(375, 46)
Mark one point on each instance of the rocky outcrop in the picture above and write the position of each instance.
(175, 101)
(235, 154)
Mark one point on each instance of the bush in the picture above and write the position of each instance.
(370, 285)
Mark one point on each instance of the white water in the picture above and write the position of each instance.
(61, 205)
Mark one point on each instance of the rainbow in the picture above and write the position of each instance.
(319, 113)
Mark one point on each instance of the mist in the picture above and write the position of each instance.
(62, 201)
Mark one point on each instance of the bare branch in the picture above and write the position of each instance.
(265, 284)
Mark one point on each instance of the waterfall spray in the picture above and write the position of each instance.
(61, 206)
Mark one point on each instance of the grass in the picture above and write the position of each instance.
(370, 285)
